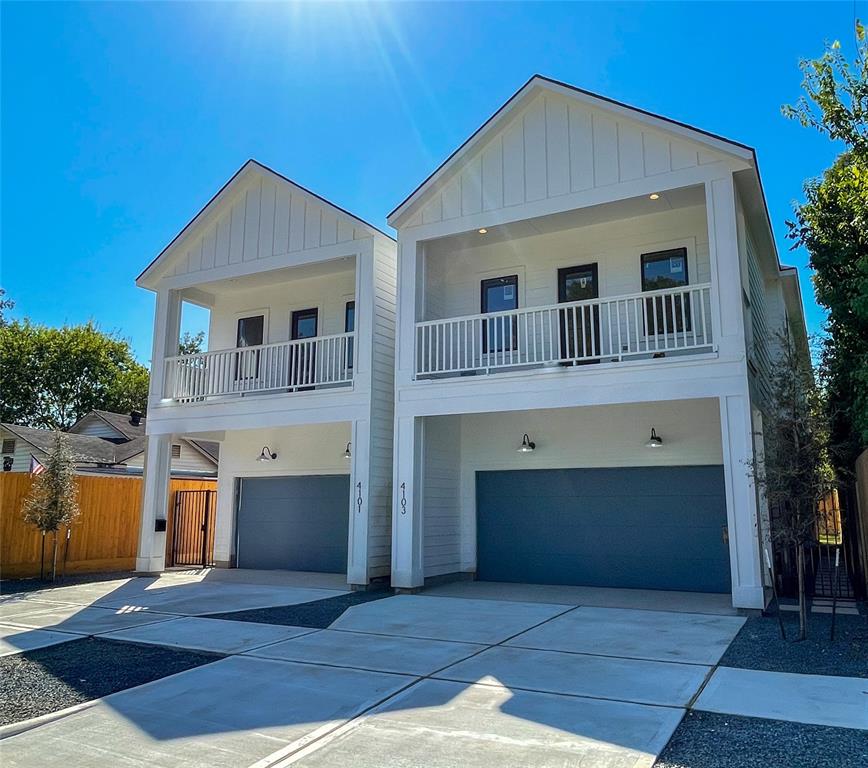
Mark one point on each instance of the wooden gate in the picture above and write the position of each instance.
(193, 528)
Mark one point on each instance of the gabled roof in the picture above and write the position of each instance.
(83, 447)
(539, 82)
(237, 180)
(119, 422)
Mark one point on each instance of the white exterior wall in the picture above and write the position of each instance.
(190, 461)
(301, 450)
(554, 145)
(23, 451)
(452, 277)
(327, 293)
(457, 447)
(96, 427)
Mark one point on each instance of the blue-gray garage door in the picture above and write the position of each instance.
(297, 523)
(637, 527)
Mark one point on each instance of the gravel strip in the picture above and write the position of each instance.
(709, 740)
(50, 679)
(318, 614)
(758, 645)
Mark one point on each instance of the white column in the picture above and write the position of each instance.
(410, 278)
(167, 330)
(727, 306)
(151, 556)
(224, 522)
(407, 565)
(741, 502)
(360, 492)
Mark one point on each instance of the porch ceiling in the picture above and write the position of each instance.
(672, 199)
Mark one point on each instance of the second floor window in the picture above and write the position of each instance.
(499, 294)
(662, 270)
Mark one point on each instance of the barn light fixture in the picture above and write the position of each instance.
(267, 454)
(653, 196)
(348, 454)
(527, 446)
(654, 441)
(482, 231)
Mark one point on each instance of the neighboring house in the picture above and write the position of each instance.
(585, 294)
(105, 442)
(296, 385)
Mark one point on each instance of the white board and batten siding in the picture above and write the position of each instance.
(554, 146)
(266, 217)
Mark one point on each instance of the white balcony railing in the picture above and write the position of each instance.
(610, 329)
(285, 366)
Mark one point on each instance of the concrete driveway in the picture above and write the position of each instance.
(409, 680)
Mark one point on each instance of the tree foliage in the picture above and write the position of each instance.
(191, 344)
(51, 377)
(794, 472)
(832, 224)
(53, 498)
(4, 305)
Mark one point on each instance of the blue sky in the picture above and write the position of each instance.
(120, 120)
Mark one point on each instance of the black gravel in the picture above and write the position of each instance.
(318, 614)
(759, 646)
(50, 679)
(709, 740)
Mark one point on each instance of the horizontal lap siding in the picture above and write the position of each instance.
(552, 147)
(382, 408)
(104, 537)
(441, 517)
(453, 277)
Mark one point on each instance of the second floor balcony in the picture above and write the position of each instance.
(321, 362)
(650, 324)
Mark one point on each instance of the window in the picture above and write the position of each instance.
(350, 327)
(499, 294)
(249, 333)
(662, 270)
(176, 451)
(9, 446)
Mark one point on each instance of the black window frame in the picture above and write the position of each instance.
(350, 327)
(483, 308)
(239, 374)
(670, 312)
(300, 314)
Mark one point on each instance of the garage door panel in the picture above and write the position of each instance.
(642, 527)
(295, 523)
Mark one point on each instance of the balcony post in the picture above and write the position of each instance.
(410, 275)
(727, 307)
(167, 331)
(407, 553)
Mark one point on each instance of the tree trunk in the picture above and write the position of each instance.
(803, 613)
(42, 559)
(54, 558)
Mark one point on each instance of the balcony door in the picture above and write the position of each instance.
(249, 332)
(302, 358)
(579, 326)
(499, 294)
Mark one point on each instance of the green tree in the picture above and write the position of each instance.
(53, 498)
(793, 471)
(51, 377)
(4, 305)
(191, 344)
(832, 224)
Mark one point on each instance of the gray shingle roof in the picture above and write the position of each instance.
(84, 447)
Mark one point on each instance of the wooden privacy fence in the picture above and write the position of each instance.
(104, 536)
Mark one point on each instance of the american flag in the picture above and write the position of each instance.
(35, 467)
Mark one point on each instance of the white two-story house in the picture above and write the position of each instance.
(585, 294)
(296, 385)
